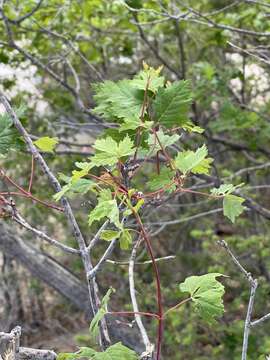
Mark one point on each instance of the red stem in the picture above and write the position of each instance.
(127, 313)
(29, 195)
(168, 158)
(158, 285)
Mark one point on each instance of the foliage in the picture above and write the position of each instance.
(9, 137)
(206, 293)
(206, 86)
(46, 143)
(101, 313)
(172, 103)
(114, 352)
(196, 162)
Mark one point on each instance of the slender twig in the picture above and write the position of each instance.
(260, 320)
(92, 285)
(129, 313)
(253, 286)
(92, 273)
(32, 174)
(147, 262)
(158, 284)
(148, 345)
(26, 16)
(27, 194)
(21, 221)
(97, 236)
(177, 306)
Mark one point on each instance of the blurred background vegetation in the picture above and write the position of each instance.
(85, 41)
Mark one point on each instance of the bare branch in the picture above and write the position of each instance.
(97, 236)
(92, 273)
(149, 347)
(18, 218)
(253, 286)
(92, 286)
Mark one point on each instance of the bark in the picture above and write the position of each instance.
(10, 348)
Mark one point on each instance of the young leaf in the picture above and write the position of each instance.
(118, 99)
(225, 189)
(138, 205)
(193, 161)
(149, 78)
(93, 328)
(117, 352)
(232, 206)
(105, 208)
(163, 180)
(125, 239)
(190, 127)
(172, 103)
(9, 136)
(206, 293)
(109, 235)
(165, 140)
(67, 356)
(86, 352)
(135, 123)
(109, 151)
(81, 186)
(46, 143)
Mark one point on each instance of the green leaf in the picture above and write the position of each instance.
(204, 167)
(114, 352)
(172, 104)
(46, 143)
(86, 352)
(190, 127)
(232, 206)
(125, 239)
(193, 161)
(135, 123)
(109, 151)
(84, 167)
(165, 140)
(206, 293)
(106, 208)
(125, 147)
(163, 180)
(9, 136)
(149, 77)
(117, 352)
(225, 189)
(138, 205)
(67, 356)
(118, 100)
(80, 186)
(109, 235)
(93, 328)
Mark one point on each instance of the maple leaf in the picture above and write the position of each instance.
(172, 104)
(193, 161)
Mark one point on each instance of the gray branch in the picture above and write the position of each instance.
(253, 286)
(92, 285)
(149, 347)
(44, 236)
